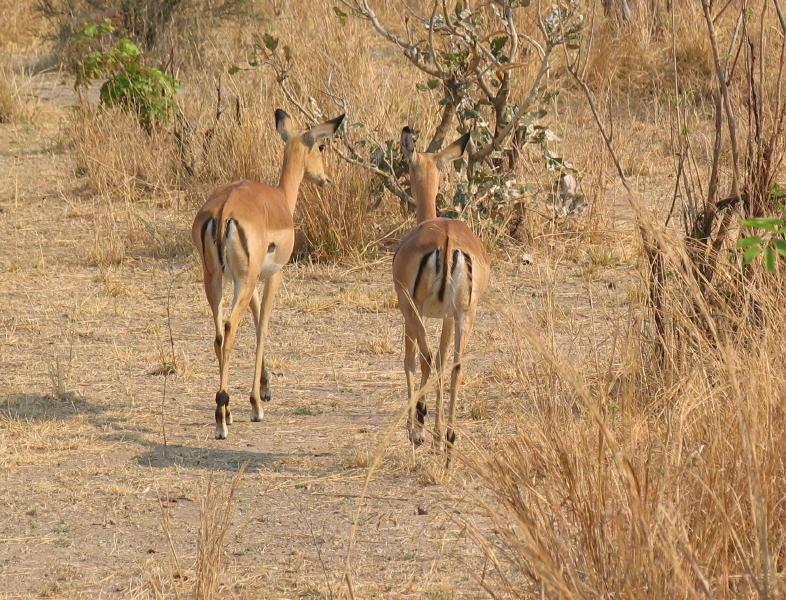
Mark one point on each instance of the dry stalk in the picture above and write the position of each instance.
(215, 515)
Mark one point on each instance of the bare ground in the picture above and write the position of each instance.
(85, 474)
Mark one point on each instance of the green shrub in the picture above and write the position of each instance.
(129, 82)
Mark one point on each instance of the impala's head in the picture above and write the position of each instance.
(307, 145)
(424, 167)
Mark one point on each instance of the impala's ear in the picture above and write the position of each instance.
(407, 144)
(453, 152)
(284, 125)
(324, 130)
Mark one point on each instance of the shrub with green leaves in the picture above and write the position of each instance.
(469, 58)
(129, 82)
(769, 244)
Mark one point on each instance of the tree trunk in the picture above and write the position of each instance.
(618, 9)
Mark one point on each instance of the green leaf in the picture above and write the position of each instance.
(750, 254)
(271, 43)
(769, 259)
(233, 69)
(498, 43)
(342, 16)
(747, 242)
(126, 49)
(766, 223)
(780, 247)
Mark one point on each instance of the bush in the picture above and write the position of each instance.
(130, 83)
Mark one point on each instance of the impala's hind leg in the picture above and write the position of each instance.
(464, 324)
(244, 273)
(213, 290)
(213, 278)
(260, 390)
(415, 332)
(442, 354)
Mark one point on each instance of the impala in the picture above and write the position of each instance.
(245, 232)
(440, 270)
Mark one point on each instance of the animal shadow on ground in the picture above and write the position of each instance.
(213, 459)
(46, 407)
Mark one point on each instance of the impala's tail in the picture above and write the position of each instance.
(228, 242)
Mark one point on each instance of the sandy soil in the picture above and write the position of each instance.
(85, 475)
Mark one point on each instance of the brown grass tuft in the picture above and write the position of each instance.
(215, 515)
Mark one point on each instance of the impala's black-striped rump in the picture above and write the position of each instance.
(423, 262)
(243, 239)
(221, 243)
(468, 260)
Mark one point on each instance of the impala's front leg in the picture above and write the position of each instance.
(260, 389)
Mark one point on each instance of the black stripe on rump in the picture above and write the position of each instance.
(456, 254)
(468, 258)
(243, 239)
(423, 262)
(442, 285)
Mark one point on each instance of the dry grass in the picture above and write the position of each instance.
(591, 466)
(13, 108)
(215, 516)
(23, 29)
(645, 477)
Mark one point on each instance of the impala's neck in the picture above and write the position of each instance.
(292, 171)
(425, 183)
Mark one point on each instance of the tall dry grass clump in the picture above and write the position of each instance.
(338, 221)
(635, 60)
(215, 515)
(23, 29)
(119, 159)
(654, 467)
(639, 476)
(13, 108)
(9, 101)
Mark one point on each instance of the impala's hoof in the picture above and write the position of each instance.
(256, 411)
(266, 395)
(416, 437)
(223, 416)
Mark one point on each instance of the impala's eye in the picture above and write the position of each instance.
(322, 147)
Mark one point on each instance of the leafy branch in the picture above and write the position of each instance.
(129, 82)
(770, 244)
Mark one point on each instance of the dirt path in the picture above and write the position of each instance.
(85, 476)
